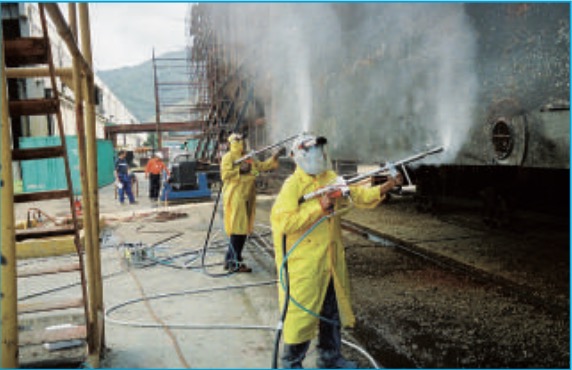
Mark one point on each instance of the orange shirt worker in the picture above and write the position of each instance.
(153, 171)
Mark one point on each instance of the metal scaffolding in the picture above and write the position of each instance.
(224, 89)
(180, 94)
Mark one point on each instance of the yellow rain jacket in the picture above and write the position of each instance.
(318, 258)
(239, 193)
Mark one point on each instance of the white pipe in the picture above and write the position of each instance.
(363, 352)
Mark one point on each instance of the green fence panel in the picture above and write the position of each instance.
(49, 174)
(192, 144)
(43, 174)
(105, 162)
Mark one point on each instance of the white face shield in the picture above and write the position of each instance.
(310, 153)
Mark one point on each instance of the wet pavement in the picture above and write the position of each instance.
(165, 310)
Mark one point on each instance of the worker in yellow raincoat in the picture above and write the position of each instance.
(317, 271)
(239, 198)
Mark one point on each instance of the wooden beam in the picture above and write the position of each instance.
(36, 355)
(54, 335)
(152, 127)
(49, 270)
(33, 107)
(46, 247)
(44, 232)
(65, 33)
(41, 195)
(29, 72)
(25, 51)
(61, 304)
(37, 153)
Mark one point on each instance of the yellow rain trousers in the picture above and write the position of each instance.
(318, 258)
(239, 193)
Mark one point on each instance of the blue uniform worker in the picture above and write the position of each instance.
(122, 176)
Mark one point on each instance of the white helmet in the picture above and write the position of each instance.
(159, 155)
(309, 152)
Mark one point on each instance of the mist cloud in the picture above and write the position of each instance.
(380, 80)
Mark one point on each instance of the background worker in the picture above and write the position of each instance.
(239, 198)
(122, 178)
(153, 170)
(317, 270)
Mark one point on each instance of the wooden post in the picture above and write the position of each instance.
(91, 141)
(9, 304)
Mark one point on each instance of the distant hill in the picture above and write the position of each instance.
(134, 86)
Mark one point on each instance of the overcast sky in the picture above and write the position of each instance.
(124, 34)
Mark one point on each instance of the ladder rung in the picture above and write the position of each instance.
(37, 153)
(50, 270)
(33, 107)
(67, 332)
(41, 195)
(25, 51)
(50, 306)
(37, 233)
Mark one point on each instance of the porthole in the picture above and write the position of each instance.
(502, 138)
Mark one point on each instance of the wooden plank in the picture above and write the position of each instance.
(49, 270)
(55, 334)
(37, 356)
(25, 51)
(23, 234)
(41, 195)
(41, 71)
(47, 247)
(36, 322)
(33, 107)
(37, 153)
(50, 306)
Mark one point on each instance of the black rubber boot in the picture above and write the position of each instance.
(330, 336)
(333, 360)
(294, 354)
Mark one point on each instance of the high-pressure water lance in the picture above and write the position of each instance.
(338, 189)
(254, 153)
(341, 187)
(246, 157)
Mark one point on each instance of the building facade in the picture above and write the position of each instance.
(23, 20)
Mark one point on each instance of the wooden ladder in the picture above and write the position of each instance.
(40, 335)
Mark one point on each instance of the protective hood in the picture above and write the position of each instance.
(236, 144)
(310, 154)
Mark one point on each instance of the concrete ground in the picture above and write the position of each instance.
(200, 320)
(203, 321)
